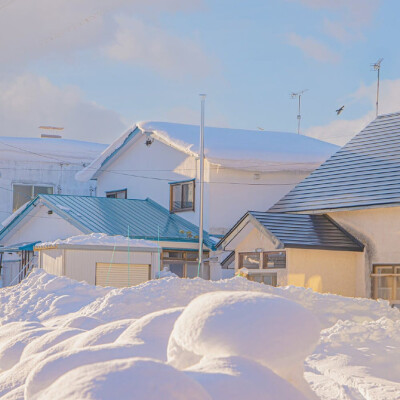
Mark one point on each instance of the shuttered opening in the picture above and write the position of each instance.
(121, 275)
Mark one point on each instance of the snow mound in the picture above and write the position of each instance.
(99, 239)
(226, 340)
(288, 332)
(237, 378)
(135, 378)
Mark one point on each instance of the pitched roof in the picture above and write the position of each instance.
(301, 231)
(49, 150)
(252, 150)
(145, 219)
(363, 173)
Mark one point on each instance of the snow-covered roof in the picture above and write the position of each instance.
(231, 148)
(49, 150)
(98, 239)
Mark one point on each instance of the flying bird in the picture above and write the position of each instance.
(339, 110)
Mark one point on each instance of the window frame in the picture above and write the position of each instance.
(395, 276)
(263, 262)
(184, 259)
(111, 192)
(32, 196)
(171, 202)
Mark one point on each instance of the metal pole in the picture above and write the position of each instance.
(299, 116)
(377, 93)
(200, 270)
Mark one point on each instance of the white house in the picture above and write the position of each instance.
(244, 169)
(31, 166)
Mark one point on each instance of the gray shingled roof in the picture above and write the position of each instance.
(307, 231)
(301, 231)
(363, 173)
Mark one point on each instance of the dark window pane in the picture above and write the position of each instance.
(176, 268)
(173, 254)
(250, 260)
(192, 269)
(111, 195)
(274, 260)
(42, 190)
(21, 195)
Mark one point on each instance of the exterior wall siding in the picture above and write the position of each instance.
(379, 230)
(325, 271)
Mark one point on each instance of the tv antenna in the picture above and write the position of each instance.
(377, 67)
(297, 95)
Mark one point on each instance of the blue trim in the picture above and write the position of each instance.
(112, 155)
(186, 180)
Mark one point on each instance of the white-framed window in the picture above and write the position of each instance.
(181, 196)
(23, 193)
(117, 194)
(262, 260)
(386, 283)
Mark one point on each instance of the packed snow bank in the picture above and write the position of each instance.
(59, 337)
(99, 239)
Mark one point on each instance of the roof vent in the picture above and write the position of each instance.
(48, 136)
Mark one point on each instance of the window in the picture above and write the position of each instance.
(117, 194)
(262, 260)
(386, 283)
(249, 260)
(267, 279)
(24, 193)
(184, 263)
(181, 196)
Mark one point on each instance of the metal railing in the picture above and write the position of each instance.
(25, 270)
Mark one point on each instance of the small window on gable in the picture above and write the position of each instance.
(182, 196)
(117, 194)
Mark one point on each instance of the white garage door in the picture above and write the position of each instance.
(121, 275)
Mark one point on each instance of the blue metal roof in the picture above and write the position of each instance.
(364, 173)
(145, 219)
(15, 248)
(302, 231)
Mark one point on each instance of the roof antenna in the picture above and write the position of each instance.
(294, 96)
(377, 67)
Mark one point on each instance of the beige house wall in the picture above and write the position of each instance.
(379, 230)
(325, 271)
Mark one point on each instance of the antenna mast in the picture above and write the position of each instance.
(377, 67)
(294, 96)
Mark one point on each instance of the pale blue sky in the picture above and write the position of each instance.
(139, 63)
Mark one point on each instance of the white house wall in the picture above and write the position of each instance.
(135, 168)
(38, 225)
(234, 192)
(61, 179)
(228, 193)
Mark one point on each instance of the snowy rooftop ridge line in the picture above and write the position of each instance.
(48, 150)
(98, 239)
(251, 150)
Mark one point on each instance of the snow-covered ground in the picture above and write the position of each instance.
(193, 339)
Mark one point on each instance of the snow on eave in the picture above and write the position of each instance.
(92, 169)
(165, 138)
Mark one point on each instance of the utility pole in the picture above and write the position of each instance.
(298, 95)
(200, 270)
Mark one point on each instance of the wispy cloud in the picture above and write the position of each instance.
(29, 101)
(33, 29)
(150, 46)
(313, 48)
(349, 18)
(341, 131)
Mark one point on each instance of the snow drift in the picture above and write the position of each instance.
(174, 338)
